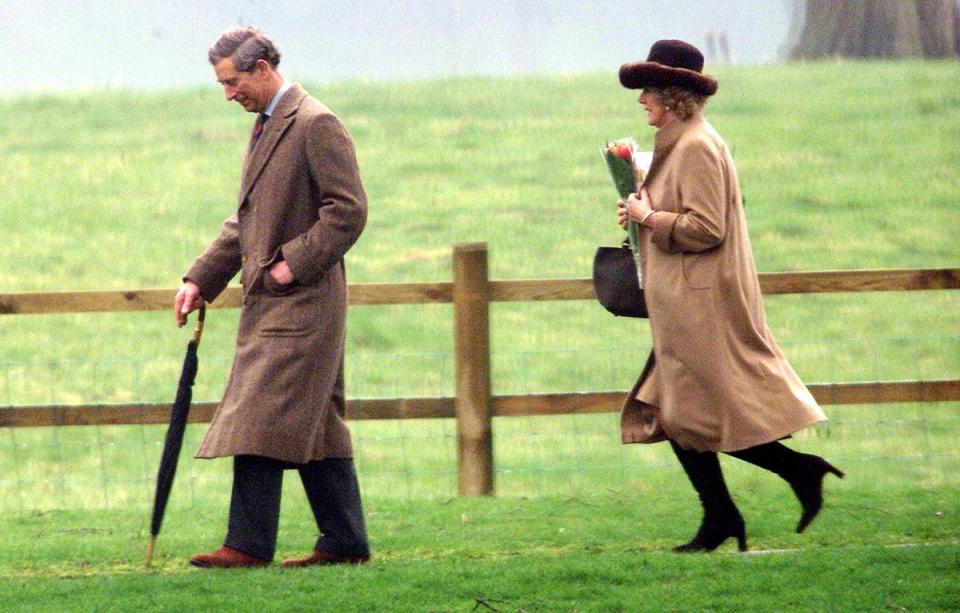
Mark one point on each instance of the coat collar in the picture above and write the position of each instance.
(666, 139)
(259, 153)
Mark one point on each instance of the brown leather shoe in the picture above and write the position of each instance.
(319, 557)
(226, 557)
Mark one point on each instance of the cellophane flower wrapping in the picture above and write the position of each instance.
(627, 169)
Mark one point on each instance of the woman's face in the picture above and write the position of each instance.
(657, 114)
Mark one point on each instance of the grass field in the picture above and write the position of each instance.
(844, 166)
(872, 550)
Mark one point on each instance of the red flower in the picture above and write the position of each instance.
(622, 151)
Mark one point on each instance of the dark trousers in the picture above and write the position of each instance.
(331, 487)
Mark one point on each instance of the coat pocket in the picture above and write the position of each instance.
(700, 269)
(295, 314)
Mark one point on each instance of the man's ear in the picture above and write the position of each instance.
(263, 67)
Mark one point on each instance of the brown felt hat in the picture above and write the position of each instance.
(670, 63)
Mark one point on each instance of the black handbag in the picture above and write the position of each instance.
(615, 282)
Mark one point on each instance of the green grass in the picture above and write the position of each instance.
(602, 551)
(826, 154)
(844, 166)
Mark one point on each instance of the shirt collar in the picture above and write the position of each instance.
(276, 98)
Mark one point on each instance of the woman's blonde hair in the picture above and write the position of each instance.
(683, 102)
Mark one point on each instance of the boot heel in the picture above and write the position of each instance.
(741, 535)
(809, 489)
(833, 469)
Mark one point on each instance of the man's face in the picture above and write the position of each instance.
(247, 88)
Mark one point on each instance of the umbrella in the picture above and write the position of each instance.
(174, 440)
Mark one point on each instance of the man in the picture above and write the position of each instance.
(301, 206)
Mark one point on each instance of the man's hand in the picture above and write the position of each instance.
(187, 300)
(281, 273)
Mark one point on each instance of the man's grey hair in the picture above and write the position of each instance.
(245, 45)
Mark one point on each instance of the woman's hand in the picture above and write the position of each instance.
(621, 214)
(639, 207)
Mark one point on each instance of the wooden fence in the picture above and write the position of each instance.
(471, 291)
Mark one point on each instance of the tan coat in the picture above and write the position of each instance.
(715, 379)
(300, 196)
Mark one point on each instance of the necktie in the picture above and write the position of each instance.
(258, 126)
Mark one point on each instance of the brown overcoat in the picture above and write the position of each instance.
(715, 379)
(300, 197)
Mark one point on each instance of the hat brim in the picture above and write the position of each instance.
(638, 75)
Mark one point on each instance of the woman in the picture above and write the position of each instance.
(715, 380)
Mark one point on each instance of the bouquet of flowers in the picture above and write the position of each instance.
(627, 167)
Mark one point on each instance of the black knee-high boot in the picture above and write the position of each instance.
(803, 471)
(721, 518)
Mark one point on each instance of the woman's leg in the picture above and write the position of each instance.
(803, 471)
(721, 518)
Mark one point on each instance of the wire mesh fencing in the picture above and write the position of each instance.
(405, 351)
(111, 466)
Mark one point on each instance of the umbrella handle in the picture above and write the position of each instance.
(198, 329)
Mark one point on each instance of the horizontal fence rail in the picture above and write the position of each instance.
(526, 290)
(471, 292)
(885, 392)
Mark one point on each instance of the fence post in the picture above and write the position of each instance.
(471, 314)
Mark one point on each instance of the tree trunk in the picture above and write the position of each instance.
(878, 29)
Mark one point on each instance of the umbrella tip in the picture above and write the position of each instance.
(150, 546)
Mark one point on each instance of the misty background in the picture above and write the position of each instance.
(60, 46)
